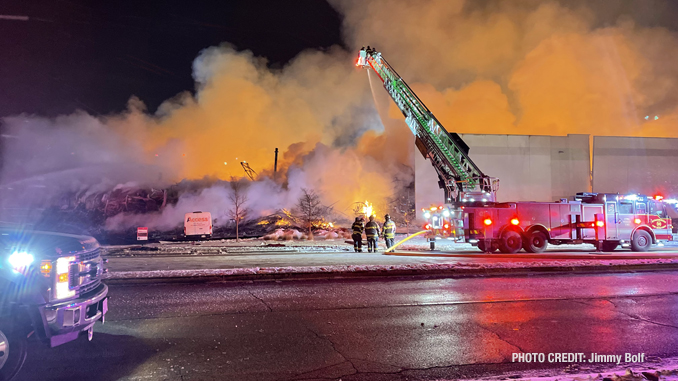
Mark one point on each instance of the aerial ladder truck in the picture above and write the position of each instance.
(471, 210)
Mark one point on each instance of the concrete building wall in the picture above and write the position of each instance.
(530, 168)
(635, 165)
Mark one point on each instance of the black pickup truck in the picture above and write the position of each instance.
(50, 289)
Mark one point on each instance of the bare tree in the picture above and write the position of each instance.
(310, 210)
(238, 198)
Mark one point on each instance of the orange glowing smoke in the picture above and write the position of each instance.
(542, 68)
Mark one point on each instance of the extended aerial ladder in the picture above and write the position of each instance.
(459, 177)
(248, 170)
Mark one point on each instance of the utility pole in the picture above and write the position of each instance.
(275, 163)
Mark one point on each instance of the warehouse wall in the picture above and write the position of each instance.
(530, 168)
(635, 165)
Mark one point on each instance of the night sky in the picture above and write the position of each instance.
(94, 55)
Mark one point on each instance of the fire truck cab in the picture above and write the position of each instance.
(603, 219)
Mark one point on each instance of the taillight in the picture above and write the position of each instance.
(487, 222)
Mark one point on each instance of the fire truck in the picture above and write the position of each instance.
(472, 214)
(606, 220)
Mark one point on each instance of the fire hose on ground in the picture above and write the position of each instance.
(405, 240)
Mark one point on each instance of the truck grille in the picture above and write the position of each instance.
(89, 287)
(84, 273)
(88, 256)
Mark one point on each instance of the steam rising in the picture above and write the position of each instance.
(519, 67)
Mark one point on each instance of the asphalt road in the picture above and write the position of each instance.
(365, 329)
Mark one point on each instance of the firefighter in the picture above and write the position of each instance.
(389, 231)
(372, 233)
(357, 236)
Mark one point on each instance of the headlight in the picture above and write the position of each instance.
(20, 261)
(62, 289)
(427, 215)
(446, 213)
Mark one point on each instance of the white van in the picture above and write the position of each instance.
(198, 225)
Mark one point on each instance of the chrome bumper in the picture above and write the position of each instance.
(64, 321)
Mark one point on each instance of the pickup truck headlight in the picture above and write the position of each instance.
(20, 261)
(62, 288)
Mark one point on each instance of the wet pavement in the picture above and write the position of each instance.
(366, 329)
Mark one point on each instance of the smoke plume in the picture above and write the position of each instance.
(495, 67)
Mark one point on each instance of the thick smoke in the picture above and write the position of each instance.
(526, 67)
(521, 67)
(316, 110)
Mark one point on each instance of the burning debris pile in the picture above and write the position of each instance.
(162, 210)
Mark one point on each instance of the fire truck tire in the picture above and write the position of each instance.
(535, 242)
(610, 245)
(511, 242)
(641, 241)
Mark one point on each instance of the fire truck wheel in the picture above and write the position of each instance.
(641, 241)
(511, 242)
(535, 242)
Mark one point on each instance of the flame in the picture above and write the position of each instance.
(323, 225)
(368, 210)
(263, 222)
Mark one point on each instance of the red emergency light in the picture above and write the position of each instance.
(447, 226)
(600, 224)
(658, 197)
(487, 222)
(515, 221)
(427, 226)
(637, 220)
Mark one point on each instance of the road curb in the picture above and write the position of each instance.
(335, 272)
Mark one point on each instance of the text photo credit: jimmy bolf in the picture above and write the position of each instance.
(578, 358)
